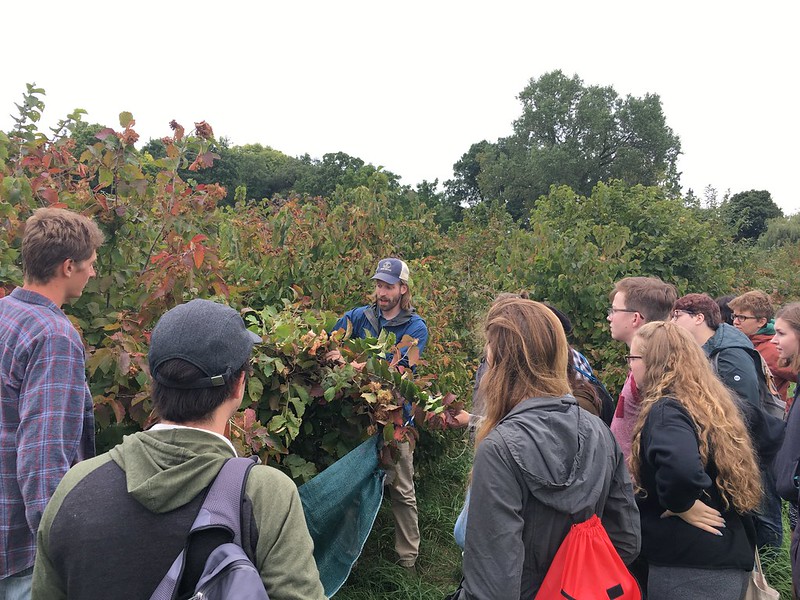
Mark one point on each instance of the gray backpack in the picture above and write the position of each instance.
(228, 572)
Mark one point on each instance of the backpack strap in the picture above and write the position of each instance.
(223, 503)
(221, 508)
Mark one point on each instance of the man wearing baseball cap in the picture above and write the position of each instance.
(128, 512)
(392, 311)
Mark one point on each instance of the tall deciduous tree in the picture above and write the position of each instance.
(748, 212)
(576, 135)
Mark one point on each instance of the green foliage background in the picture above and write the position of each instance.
(295, 262)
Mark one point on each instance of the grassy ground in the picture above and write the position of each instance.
(443, 468)
(443, 464)
(777, 565)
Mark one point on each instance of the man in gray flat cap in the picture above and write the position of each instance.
(128, 512)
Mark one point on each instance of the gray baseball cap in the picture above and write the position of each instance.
(209, 335)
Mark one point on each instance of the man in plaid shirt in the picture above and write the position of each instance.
(46, 418)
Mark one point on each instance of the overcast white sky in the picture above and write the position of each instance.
(411, 85)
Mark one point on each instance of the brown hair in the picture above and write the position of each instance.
(649, 296)
(53, 235)
(700, 304)
(529, 354)
(756, 302)
(676, 367)
(791, 314)
(405, 299)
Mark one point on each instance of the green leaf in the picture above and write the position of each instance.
(255, 389)
(125, 118)
(105, 177)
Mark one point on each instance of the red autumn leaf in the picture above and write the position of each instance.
(199, 253)
(49, 195)
(101, 200)
(206, 159)
(104, 133)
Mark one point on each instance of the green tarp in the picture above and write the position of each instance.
(340, 506)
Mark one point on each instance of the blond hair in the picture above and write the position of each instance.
(756, 301)
(676, 367)
(529, 354)
(53, 235)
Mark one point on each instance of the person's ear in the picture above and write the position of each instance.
(239, 388)
(66, 268)
(403, 289)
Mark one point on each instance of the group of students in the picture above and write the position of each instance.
(686, 480)
(676, 480)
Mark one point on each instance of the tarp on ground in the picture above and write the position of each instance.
(340, 505)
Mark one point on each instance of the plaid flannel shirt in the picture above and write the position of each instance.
(46, 418)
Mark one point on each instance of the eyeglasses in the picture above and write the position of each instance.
(743, 318)
(630, 357)
(678, 313)
(612, 310)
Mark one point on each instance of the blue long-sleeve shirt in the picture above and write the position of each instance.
(46, 417)
(367, 321)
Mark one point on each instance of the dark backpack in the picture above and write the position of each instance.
(227, 572)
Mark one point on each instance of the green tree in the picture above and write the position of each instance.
(747, 213)
(339, 169)
(576, 135)
(464, 189)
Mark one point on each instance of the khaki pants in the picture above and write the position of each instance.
(400, 480)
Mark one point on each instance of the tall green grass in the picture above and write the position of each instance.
(777, 563)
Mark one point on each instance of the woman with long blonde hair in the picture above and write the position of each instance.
(694, 470)
(541, 463)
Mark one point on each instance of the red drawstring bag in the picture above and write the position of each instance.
(587, 567)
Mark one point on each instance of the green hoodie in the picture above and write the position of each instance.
(165, 470)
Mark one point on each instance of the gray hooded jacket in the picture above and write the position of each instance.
(545, 466)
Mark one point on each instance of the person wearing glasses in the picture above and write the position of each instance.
(729, 351)
(694, 471)
(753, 315)
(634, 302)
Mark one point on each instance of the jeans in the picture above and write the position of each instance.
(768, 521)
(18, 586)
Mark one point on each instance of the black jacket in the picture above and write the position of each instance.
(736, 369)
(673, 477)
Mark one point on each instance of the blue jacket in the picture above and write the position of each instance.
(367, 321)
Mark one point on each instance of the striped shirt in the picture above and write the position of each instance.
(46, 418)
